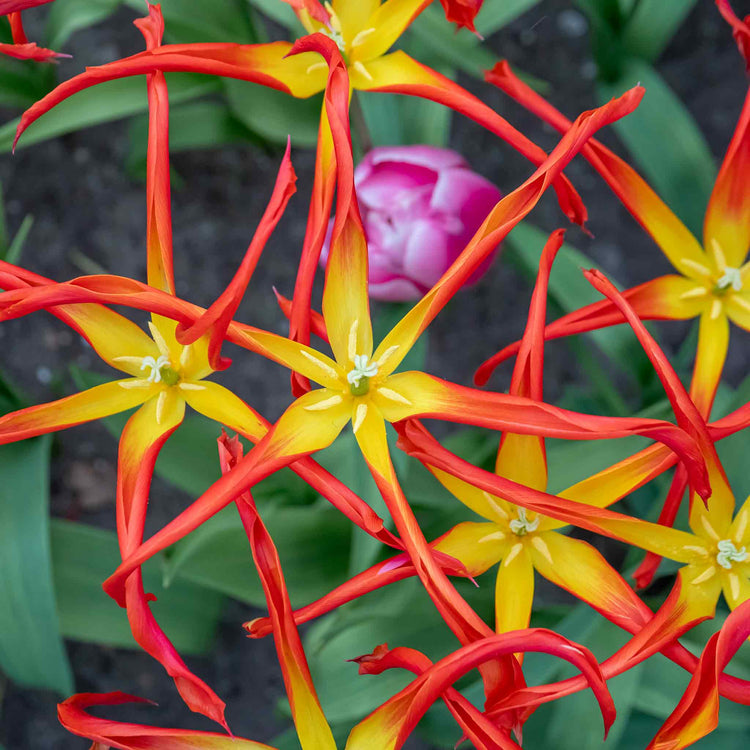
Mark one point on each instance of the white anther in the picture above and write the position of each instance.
(728, 554)
(521, 525)
(316, 66)
(363, 368)
(155, 365)
(732, 277)
(191, 387)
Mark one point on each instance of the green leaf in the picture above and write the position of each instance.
(198, 21)
(278, 11)
(103, 103)
(382, 115)
(275, 115)
(313, 544)
(570, 290)
(31, 648)
(652, 24)
(22, 82)
(68, 16)
(13, 255)
(84, 556)
(666, 143)
(498, 13)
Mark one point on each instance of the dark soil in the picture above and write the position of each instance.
(86, 207)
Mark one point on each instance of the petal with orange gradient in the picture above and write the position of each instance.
(354, 16)
(478, 546)
(482, 503)
(399, 73)
(220, 404)
(737, 307)
(95, 403)
(514, 589)
(670, 234)
(713, 343)
(577, 567)
(714, 519)
(697, 713)
(388, 22)
(75, 719)
(388, 727)
(265, 64)
(727, 224)
(312, 728)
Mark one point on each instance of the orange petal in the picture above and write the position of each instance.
(727, 223)
(399, 73)
(670, 234)
(477, 545)
(95, 403)
(312, 728)
(74, 718)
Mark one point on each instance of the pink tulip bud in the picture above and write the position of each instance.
(420, 206)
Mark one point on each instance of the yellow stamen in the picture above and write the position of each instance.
(394, 396)
(513, 554)
(136, 383)
(741, 301)
(362, 70)
(185, 355)
(541, 545)
(351, 349)
(161, 405)
(495, 536)
(707, 526)
(739, 532)
(322, 365)
(325, 404)
(316, 66)
(721, 259)
(129, 360)
(707, 575)
(387, 355)
(495, 506)
(715, 309)
(361, 36)
(702, 551)
(359, 417)
(159, 339)
(191, 387)
(699, 291)
(695, 266)
(734, 585)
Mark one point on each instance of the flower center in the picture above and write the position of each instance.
(728, 554)
(333, 31)
(155, 366)
(732, 278)
(521, 525)
(359, 377)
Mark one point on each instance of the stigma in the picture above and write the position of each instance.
(155, 366)
(359, 377)
(728, 554)
(732, 278)
(521, 526)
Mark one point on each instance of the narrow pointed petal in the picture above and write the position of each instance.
(462, 12)
(312, 728)
(389, 21)
(740, 29)
(218, 317)
(713, 343)
(727, 223)
(673, 238)
(482, 733)
(477, 545)
(30, 51)
(718, 512)
(738, 309)
(430, 397)
(416, 441)
(577, 567)
(389, 726)
(12, 6)
(482, 503)
(662, 298)
(265, 64)
(95, 403)
(514, 591)
(697, 713)
(142, 439)
(401, 74)
(73, 717)
(498, 224)
(355, 17)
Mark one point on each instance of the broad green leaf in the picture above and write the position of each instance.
(498, 13)
(381, 112)
(273, 114)
(201, 124)
(425, 121)
(104, 103)
(278, 11)
(31, 648)
(84, 556)
(23, 82)
(313, 544)
(652, 24)
(68, 16)
(188, 21)
(666, 143)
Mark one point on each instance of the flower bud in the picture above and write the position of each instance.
(420, 206)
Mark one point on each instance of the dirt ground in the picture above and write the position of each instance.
(85, 206)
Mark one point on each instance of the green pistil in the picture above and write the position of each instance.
(169, 376)
(361, 387)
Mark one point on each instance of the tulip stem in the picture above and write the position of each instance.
(357, 116)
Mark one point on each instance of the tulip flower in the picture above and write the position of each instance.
(420, 207)
(363, 32)
(21, 47)
(713, 281)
